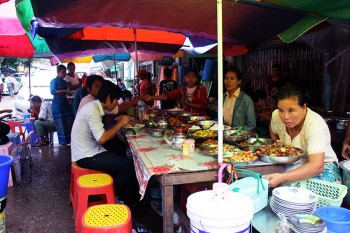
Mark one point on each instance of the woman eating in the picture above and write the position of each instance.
(238, 106)
(297, 125)
(193, 95)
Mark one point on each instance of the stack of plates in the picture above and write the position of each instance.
(290, 200)
(305, 223)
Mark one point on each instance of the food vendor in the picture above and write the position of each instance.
(297, 125)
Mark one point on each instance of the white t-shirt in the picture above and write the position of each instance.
(73, 81)
(314, 136)
(89, 98)
(87, 130)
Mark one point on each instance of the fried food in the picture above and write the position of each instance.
(241, 156)
(226, 148)
(279, 149)
(204, 134)
(210, 142)
(173, 121)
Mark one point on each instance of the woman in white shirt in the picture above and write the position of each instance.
(297, 125)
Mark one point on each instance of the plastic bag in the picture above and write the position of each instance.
(283, 225)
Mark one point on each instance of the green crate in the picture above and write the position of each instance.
(329, 194)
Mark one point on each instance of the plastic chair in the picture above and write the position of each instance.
(88, 186)
(13, 125)
(75, 173)
(113, 218)
(23, 163)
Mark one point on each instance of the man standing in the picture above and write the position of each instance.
(88, 136)
(44, 124)
(166, 86)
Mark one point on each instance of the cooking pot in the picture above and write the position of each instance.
(345, 165)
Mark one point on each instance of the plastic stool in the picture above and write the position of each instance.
(75, 173)
(188, 189)
(91, 185)
(113, 218)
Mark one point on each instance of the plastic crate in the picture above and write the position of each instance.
(256, 189)
(329, 194)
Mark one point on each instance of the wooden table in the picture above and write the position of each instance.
(152, 156)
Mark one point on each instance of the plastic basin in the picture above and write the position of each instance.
(337, 218)
(5, 163)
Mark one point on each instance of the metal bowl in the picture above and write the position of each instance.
(279, 159)
(251, 147)
(157, 133)
(192, 119)
(230, 136)
(192, 131)
(183, 114)
(205, 124)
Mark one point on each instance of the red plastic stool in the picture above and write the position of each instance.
(89, 186)
(75, 173)
(113, 218)
(188, 189)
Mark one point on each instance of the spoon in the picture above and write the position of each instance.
(257, 141)
(239, 129)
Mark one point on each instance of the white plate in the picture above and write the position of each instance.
(295, 195)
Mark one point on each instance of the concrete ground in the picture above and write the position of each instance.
(42, 205)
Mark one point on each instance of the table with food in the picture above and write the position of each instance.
(157, 145)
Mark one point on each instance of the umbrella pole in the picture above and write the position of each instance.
(220, 81)
(137, 58)
(115, 69)
(30, 86)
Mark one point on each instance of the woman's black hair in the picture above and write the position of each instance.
(259, 95)
(199, 78)
(60, 68)
(36, 99)
(234, 70)
(109, 89)
(91, 79)
(292, 92)
(70, 64)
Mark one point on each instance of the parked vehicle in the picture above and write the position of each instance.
(40, 86)
(19, 77)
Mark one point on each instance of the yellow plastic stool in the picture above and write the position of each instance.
(91, 185)
(107, 218)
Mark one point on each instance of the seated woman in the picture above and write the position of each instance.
(238, 106)
(193, 95)
(295, 124)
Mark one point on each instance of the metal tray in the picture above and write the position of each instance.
(251, 147)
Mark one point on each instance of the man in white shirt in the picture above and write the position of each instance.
(44, 124)
(88, 136)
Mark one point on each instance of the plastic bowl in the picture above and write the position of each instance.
(337, 218)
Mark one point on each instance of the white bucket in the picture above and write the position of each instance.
(232, 215)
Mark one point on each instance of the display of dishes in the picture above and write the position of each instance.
(248, 145)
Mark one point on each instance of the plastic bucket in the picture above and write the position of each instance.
(337, 218)
(209, 215)
(5, 163)
(345, 165)
(2, 214)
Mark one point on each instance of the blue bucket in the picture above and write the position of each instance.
(337, 218)
(5, 163)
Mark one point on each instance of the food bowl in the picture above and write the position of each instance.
(135, 127)
(183, 114)
(157, 133)
(233, 136)
(174, 111)
(205, 124)
(191, 119)
(279, 159)
(247, 145)
(279, 153)
(201, 133)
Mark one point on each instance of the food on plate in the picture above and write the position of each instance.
(182, 128)
(241, 156)
(214, 149)
(280, 149)
(216, 127)
(210, 142)
(246, 143)
(173, 121)
(204, 133)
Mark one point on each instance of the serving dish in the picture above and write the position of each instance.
(174, 111)
(204, 124)
(248, 145)
(135, 127)
(192, 119)
(241, 158)
(279, 153)
(212, 150)
(201, 133)
(233, 136)
(157, 133)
